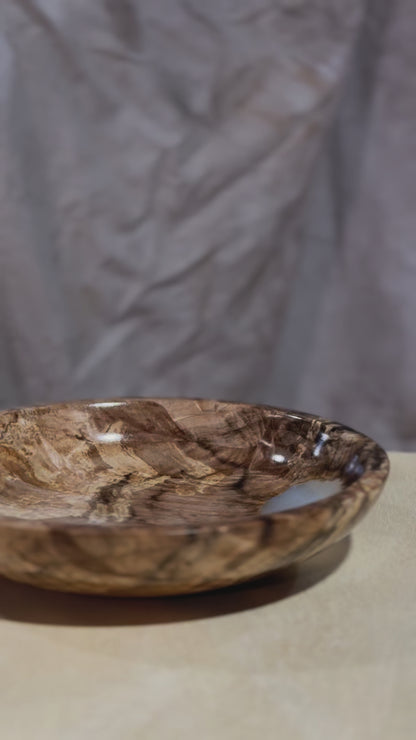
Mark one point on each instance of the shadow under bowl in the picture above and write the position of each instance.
(151, 497)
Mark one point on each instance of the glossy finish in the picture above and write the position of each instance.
(163, 496)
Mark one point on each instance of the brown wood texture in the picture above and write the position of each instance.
(163, 496)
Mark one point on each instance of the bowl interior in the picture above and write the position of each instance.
(159, 461)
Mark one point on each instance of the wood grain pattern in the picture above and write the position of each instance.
(159, 496)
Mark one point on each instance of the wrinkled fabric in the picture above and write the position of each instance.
(211, 200)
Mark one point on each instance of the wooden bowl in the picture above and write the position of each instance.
(163, 496)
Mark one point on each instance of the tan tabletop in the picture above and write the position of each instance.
(329, 651)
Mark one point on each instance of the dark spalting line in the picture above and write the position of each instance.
(168, 560)
(93, 453)
(108, 495)
(266, 532)
(241, 558)
(240, 483)
(155, 497)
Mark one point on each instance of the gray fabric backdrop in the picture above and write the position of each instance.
(213, 199)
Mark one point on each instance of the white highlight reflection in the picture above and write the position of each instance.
(322, 439)
(107, 404)
(278, 458)
(109, 437)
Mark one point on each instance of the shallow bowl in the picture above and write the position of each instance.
(145, 497)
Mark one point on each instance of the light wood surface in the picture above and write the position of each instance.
(329, 651)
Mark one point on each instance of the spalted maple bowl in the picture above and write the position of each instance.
(164, 496)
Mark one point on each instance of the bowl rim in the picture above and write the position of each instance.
(347, 505)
